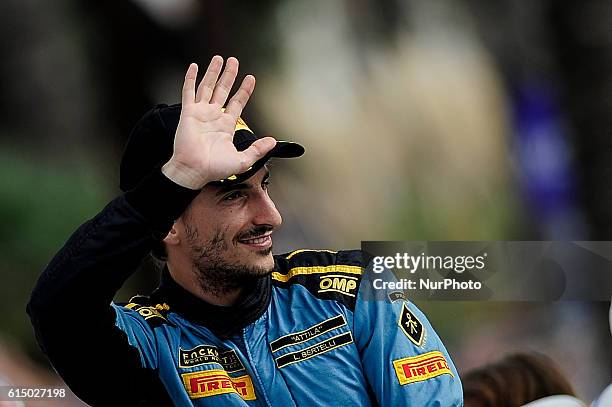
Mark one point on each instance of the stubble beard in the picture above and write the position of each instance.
(215, 275)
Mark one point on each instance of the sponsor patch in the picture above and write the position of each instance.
(151, 314)
(214, 382)
(422, 367)
(230, 361)
(145, 311)
(203, 354)
(308, 334)
(338, 283)
(397, 295)
(198, 356)
(314, 350)
(411, 326)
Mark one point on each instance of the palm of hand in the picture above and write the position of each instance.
(203, 146)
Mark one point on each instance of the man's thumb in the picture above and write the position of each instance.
(256, 151)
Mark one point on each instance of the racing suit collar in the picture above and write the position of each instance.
(222, 321)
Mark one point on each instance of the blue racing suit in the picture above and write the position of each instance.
(313, 333)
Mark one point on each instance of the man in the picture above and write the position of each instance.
(230, 324)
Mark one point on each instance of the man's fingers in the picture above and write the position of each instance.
(241, 97)
(225, 83)
(207, 85)
(188, 94)
(256, 151)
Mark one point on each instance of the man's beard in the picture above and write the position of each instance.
(215, 274)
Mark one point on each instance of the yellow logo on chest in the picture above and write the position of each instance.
(338, 283)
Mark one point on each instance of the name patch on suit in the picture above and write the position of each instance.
(209, 354)
(214, 382)
(422, 367)
(314, 350)
(307, 334)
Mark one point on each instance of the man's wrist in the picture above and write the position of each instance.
(160, 201)
(183, 175)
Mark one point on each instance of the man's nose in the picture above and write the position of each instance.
(266, 212)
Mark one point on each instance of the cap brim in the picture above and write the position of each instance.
(286, 149)
(282, 149)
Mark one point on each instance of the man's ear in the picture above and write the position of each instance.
(172, 238)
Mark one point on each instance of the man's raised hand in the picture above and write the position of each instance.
(203, 147)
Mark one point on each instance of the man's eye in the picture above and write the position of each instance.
(233, 196)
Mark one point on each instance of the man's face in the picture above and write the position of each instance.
(227, 231)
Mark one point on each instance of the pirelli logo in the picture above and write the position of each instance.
(420, 368)
(314, 350)
(203, 354)
(308, 334)
(214, 382)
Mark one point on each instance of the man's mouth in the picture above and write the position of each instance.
(259, 242)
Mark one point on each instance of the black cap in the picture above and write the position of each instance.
(151, 143)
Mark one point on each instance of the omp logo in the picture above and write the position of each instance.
(338, 283)
(214, 382)
(421, 367)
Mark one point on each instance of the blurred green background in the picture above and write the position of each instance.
(422, 119)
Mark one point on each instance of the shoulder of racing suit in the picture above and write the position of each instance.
(326, 274)
(154, 312)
